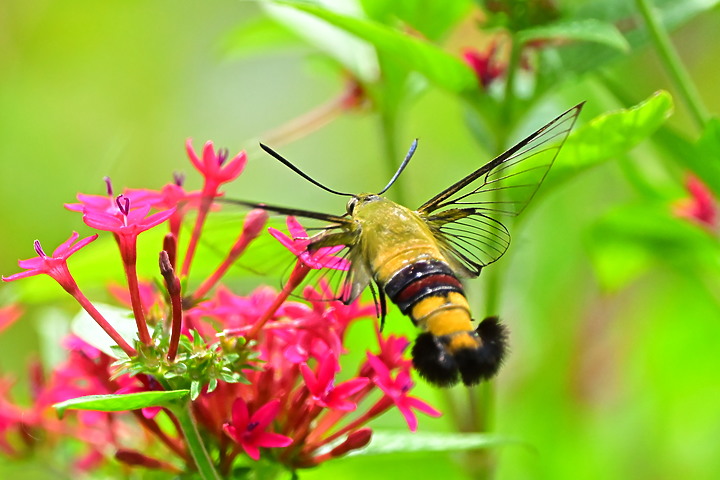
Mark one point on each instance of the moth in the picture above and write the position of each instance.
(416, 258)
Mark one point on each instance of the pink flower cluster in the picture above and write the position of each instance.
(293, 401)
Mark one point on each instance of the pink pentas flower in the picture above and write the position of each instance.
(249, 430)
(54, 265)
(335, 311)
(124, 220)
(233, 311)
(298, 242)
(701, 207)
(108, 204)
(321, 385)
(214, 166)
(392, 351)
(397, 390)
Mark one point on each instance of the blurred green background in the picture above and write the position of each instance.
(608, 377)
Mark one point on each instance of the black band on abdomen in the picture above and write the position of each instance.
(419, 280)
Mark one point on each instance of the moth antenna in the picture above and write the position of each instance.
(401, 167)
(295, 169)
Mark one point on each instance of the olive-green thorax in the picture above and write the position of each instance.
(392, 236)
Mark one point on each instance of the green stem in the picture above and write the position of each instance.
(480, 464)
(672, 63)
(506, 112)
(195, 444)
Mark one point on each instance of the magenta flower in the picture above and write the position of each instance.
(56, 265)
(701, 207)
(124, 220)
(127, 223)
(107, 203)
(249, 431)
(397, 390)
(213, 165)
(391, 354)
(323, 389)
(298, 242)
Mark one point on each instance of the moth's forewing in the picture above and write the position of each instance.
(338, 276)
(467, 216)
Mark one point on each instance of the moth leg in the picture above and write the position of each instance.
(380, 303)
(383, 308)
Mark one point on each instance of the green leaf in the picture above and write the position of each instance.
(121, 403)
(414, 54)
(85, 327)
(588, 30)
(353, 54)
(395, 442)
(586, 57)
(630, 240)
(609, 136)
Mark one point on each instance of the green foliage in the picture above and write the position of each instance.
(121, 403)
(197, 364)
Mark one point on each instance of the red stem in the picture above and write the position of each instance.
(300, 271)
(138, 312)
(97, 316)
(205, 205)
(235, 252)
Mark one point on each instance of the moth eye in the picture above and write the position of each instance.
(351, 205)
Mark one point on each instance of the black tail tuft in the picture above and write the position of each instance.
(483, 362)
(435, 363)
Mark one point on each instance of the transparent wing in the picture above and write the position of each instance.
(466, 217)
(324, 243)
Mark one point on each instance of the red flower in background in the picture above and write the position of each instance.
(485, 63)
(701, 207)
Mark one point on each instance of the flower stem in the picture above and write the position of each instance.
(300, 271)
(480, 464)
(87, 305)
(194, 441)
(672, 63)
(138, 312)
(213, 279)
(317, 118)
(205, 205)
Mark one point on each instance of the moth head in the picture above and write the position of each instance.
(360, 200)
